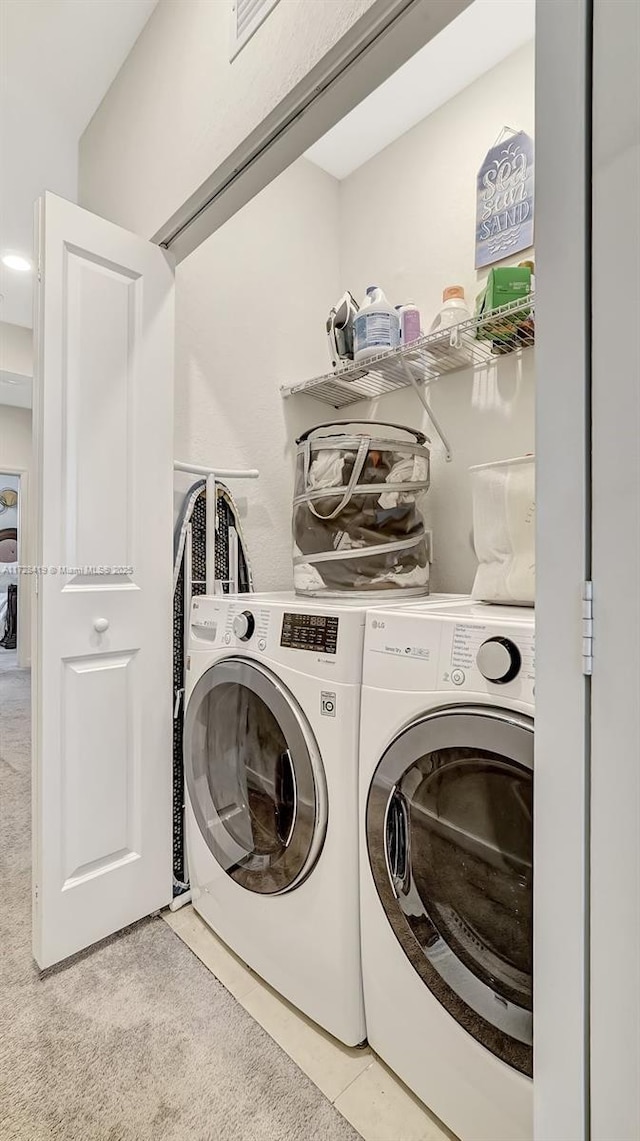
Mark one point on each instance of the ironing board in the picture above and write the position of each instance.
(232, 573)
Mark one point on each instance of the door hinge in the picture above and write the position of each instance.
(587, 629)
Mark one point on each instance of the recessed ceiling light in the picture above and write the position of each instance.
(16, 261)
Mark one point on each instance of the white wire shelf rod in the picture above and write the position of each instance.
(219, 473)
(435, 354)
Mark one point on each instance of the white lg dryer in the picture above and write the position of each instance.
(446, 826)
(271, 768)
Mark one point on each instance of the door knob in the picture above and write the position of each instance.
(101, 624)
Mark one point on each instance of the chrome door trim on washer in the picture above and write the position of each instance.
(226, 790)
(486, 993)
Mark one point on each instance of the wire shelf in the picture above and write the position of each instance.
(471, 344)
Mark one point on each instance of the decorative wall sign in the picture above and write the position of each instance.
(8, 499)
(505, 199)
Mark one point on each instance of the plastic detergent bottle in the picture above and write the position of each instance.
(454, 309)
(410, 328)
(376, 327)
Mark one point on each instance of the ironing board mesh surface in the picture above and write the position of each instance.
(225, 519)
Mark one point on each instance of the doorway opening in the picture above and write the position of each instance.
(14, 615)
(392, 197)
(253, 302)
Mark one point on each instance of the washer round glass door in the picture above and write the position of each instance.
(254, 777)
(450, 842)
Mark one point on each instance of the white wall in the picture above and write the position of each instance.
(16, 364)
(16, 349)
(407, 223)
(15, 438)
(252, 302)
(251, 306)
(178, 107)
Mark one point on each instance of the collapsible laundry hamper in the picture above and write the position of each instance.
(358, 526)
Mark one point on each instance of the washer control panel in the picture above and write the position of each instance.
(221, 623)
(243, 625)
(316, 632)
(313, 640)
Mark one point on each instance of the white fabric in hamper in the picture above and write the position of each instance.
(504, 531)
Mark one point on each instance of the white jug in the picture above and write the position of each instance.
(454, 309)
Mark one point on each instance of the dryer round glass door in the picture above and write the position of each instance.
(450, 842)
(254, 777)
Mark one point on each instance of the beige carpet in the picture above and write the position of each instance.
(132, 1041)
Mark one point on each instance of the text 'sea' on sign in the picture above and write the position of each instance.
(504, 200)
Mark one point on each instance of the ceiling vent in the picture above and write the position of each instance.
(246, 18)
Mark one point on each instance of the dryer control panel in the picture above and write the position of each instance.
(496, 654)
(465, 649)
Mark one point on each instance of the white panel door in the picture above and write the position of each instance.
(615, 766)
(561, 779)
(103, 406)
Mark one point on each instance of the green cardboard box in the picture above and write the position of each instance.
(504, 284)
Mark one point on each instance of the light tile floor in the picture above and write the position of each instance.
(360, 1086)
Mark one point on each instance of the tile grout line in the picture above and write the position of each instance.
(354, 1079)
(256, 986)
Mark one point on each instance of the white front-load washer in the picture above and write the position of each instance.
(270, 754)
(446, 862)
(271, 770)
